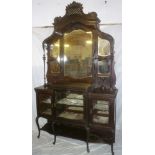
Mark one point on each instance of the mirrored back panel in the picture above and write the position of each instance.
(77, 54)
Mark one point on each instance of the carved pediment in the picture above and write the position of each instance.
(74, 8)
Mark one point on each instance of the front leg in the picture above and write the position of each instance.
(53, 128)
(112, 151)
(87, 138)
(37, 122)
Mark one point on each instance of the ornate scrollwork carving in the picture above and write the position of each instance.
(57, 19)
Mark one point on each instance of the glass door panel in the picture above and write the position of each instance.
(100, 114)
(45, 104)
(69, 106)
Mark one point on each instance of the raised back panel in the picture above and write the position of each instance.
(77, 54)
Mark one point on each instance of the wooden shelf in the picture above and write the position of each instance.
(104, 75)
(100, 58)
(47, 112)
(79, 133)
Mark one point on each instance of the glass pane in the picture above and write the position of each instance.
(104, 66)
(55, 57)
(100, 112)
(103, 47)
(69, 105)
(77, 53)
(45, 104)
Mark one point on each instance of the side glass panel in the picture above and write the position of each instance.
(55, 57)
(77, 54)
(103, 47)
(45, 104)
(100, 112)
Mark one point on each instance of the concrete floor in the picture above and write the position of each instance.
(68, 146)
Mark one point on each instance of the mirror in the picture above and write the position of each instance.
(103, 47)
(55, 50)
(103, 66)
(77, 54)
(55, 57)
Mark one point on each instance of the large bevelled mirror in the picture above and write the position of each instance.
(77, 54)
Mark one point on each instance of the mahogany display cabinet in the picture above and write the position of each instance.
(78, 95)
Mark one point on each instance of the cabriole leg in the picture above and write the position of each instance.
(37, 122)
(53, 128)
(112, 151)
(87, 140)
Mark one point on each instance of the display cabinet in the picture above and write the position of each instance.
(78, 95)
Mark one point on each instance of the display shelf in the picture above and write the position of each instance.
(47, 112)
(73, 102)
(71, 115)
(100, 119)
(46, 101)
(79, 133)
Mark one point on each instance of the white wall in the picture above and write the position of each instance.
(44, 12)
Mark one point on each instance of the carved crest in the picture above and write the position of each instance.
(74, 8)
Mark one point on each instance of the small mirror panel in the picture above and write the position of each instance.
(55, 50)
(55, 57)
(103, 66)
(77, 54)
(103, 47)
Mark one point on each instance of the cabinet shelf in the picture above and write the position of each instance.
(104, 75)
(71, 115)
(100, 119)
(101, 112)
(47, 112)
(101, 57)
(47, 101)
(73, 102)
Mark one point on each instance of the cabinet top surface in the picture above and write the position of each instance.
(81, 86)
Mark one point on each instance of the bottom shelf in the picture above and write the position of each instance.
(77, 133)
(71, 115)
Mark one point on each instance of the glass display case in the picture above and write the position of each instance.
(79, 85)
